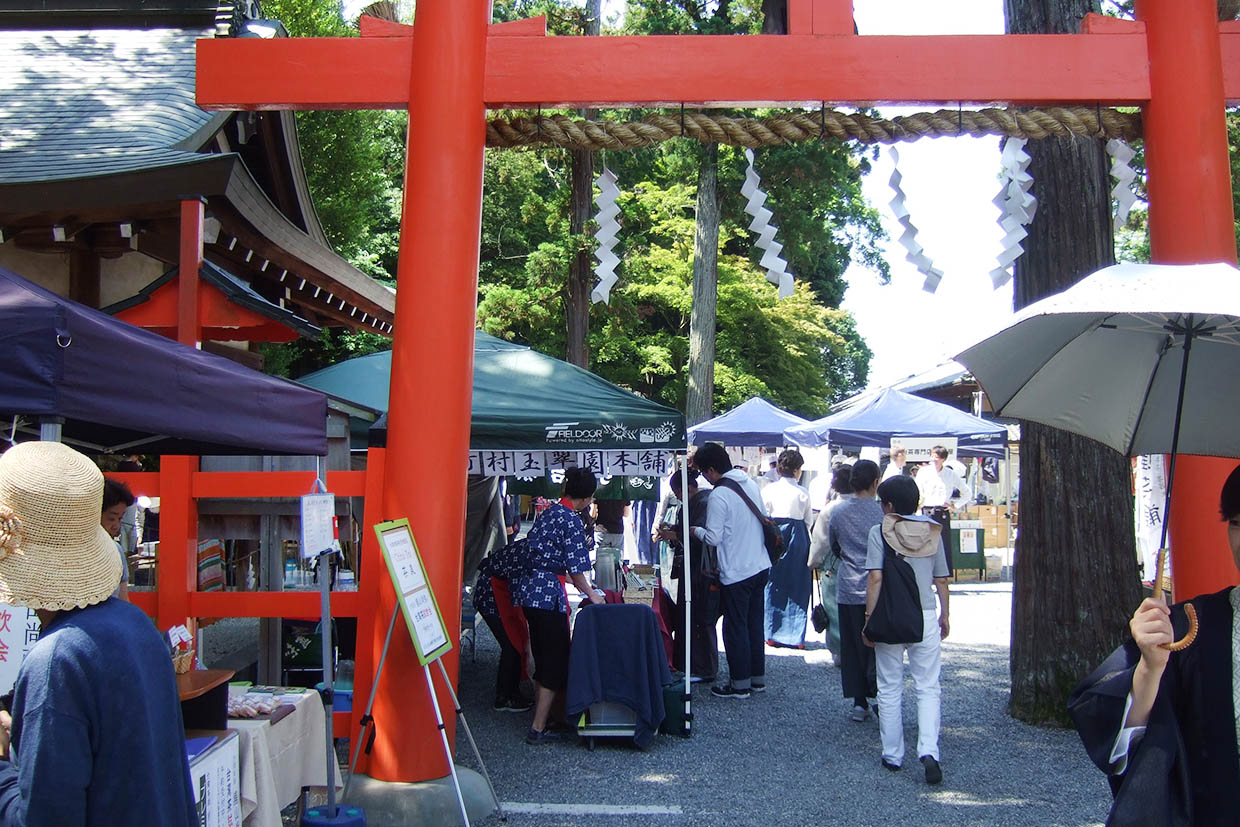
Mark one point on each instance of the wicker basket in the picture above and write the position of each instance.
(182, 661)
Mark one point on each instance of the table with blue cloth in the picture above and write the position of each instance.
(618, 657)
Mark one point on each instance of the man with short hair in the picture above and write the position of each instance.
(97, 737)
(736, 531)
(942, 490)
(895, 467)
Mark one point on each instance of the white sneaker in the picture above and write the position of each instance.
(859, 714)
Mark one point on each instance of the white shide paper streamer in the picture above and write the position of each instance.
(915, 254)
(776, 268)
(1124, 175)
(605, 235)
(1016, 207)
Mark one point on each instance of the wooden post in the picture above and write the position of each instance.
(432, 356)
(189, 325)
(178, 539)
(1191, 221)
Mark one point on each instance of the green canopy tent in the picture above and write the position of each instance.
(523, 400)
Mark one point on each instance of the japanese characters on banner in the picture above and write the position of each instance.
(19, 630)
(624, 463)
(1151, 489)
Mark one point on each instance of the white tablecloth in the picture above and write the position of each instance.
(277, 761)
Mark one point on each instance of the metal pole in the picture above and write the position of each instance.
(687, 574)
(325, 629)
(460, 713)
(370, 703)
(447, 748)
(1160, 579)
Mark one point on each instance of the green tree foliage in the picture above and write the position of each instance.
(354, 159)
(797, 352)
(801, 353)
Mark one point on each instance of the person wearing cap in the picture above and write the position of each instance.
(96, 732)
(917, 539)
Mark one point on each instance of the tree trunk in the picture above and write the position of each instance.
(774, 16)
(580, 274)
(700, 400)
(1076, 581)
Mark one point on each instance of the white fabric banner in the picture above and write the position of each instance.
(621, 463)
(1151, 493)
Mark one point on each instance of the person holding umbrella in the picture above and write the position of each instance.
(1161, 723)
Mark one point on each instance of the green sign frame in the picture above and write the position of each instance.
(414, 594)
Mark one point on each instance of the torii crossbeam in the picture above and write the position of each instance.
(1175, 61)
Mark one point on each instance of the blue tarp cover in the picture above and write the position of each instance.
(120, 387)
(753, 423)
(894, 414)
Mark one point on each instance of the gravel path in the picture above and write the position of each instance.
(792, 757)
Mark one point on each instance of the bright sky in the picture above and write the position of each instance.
(949, 184)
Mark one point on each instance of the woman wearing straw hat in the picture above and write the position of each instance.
(96, 726)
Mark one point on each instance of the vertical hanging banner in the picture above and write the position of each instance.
(605, 235)
(755, 198)
(1150, 484)
(19, 631)
(413, 590)
(915, 254)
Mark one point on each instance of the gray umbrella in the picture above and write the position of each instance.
(1144, 358)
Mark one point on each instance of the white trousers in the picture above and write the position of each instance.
(923, 663)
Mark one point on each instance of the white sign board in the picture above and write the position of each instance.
(19, 629)
(217, 783)
(918, 447)
(317, 513)
(416, 599)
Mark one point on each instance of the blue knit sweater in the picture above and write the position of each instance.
(97, 734)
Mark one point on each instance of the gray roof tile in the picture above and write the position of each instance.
(77, 103)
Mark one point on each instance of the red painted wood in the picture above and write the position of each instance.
(141, 483)
(1104, 24)
(270, 604)
(221, 320)
(146, 601)
(189, 322)
(1189, 186)
(437, 316)
(178, 540)
(242, 484)
(309, 73)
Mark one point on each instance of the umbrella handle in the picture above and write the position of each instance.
(1160, 587)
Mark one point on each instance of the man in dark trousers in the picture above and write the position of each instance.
(97, 737)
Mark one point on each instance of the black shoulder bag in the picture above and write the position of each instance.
(897, 616)
(771, 538)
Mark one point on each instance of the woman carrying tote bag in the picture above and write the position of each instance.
(906, 540)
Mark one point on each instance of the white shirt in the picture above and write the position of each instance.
(936, 487)
(892, 470)
(786, 498)
(734, 530)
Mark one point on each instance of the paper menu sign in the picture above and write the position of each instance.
(417, 599)
(317, 534)
(19, 631)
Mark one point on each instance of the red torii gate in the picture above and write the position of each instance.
(1175, 61)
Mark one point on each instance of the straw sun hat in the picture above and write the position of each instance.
(53, 553)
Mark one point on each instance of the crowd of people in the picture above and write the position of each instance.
(521, 593)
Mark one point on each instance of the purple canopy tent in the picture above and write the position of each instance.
(121, 388)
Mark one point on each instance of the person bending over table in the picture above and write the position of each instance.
(1164, 725)
(557, 546)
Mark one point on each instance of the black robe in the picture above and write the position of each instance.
(1184, 770)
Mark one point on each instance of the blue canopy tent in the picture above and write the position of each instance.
(895, 414)
(753, 423)
(113, 387)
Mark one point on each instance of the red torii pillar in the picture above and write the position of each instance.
(1191, 221)
(454, 68)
